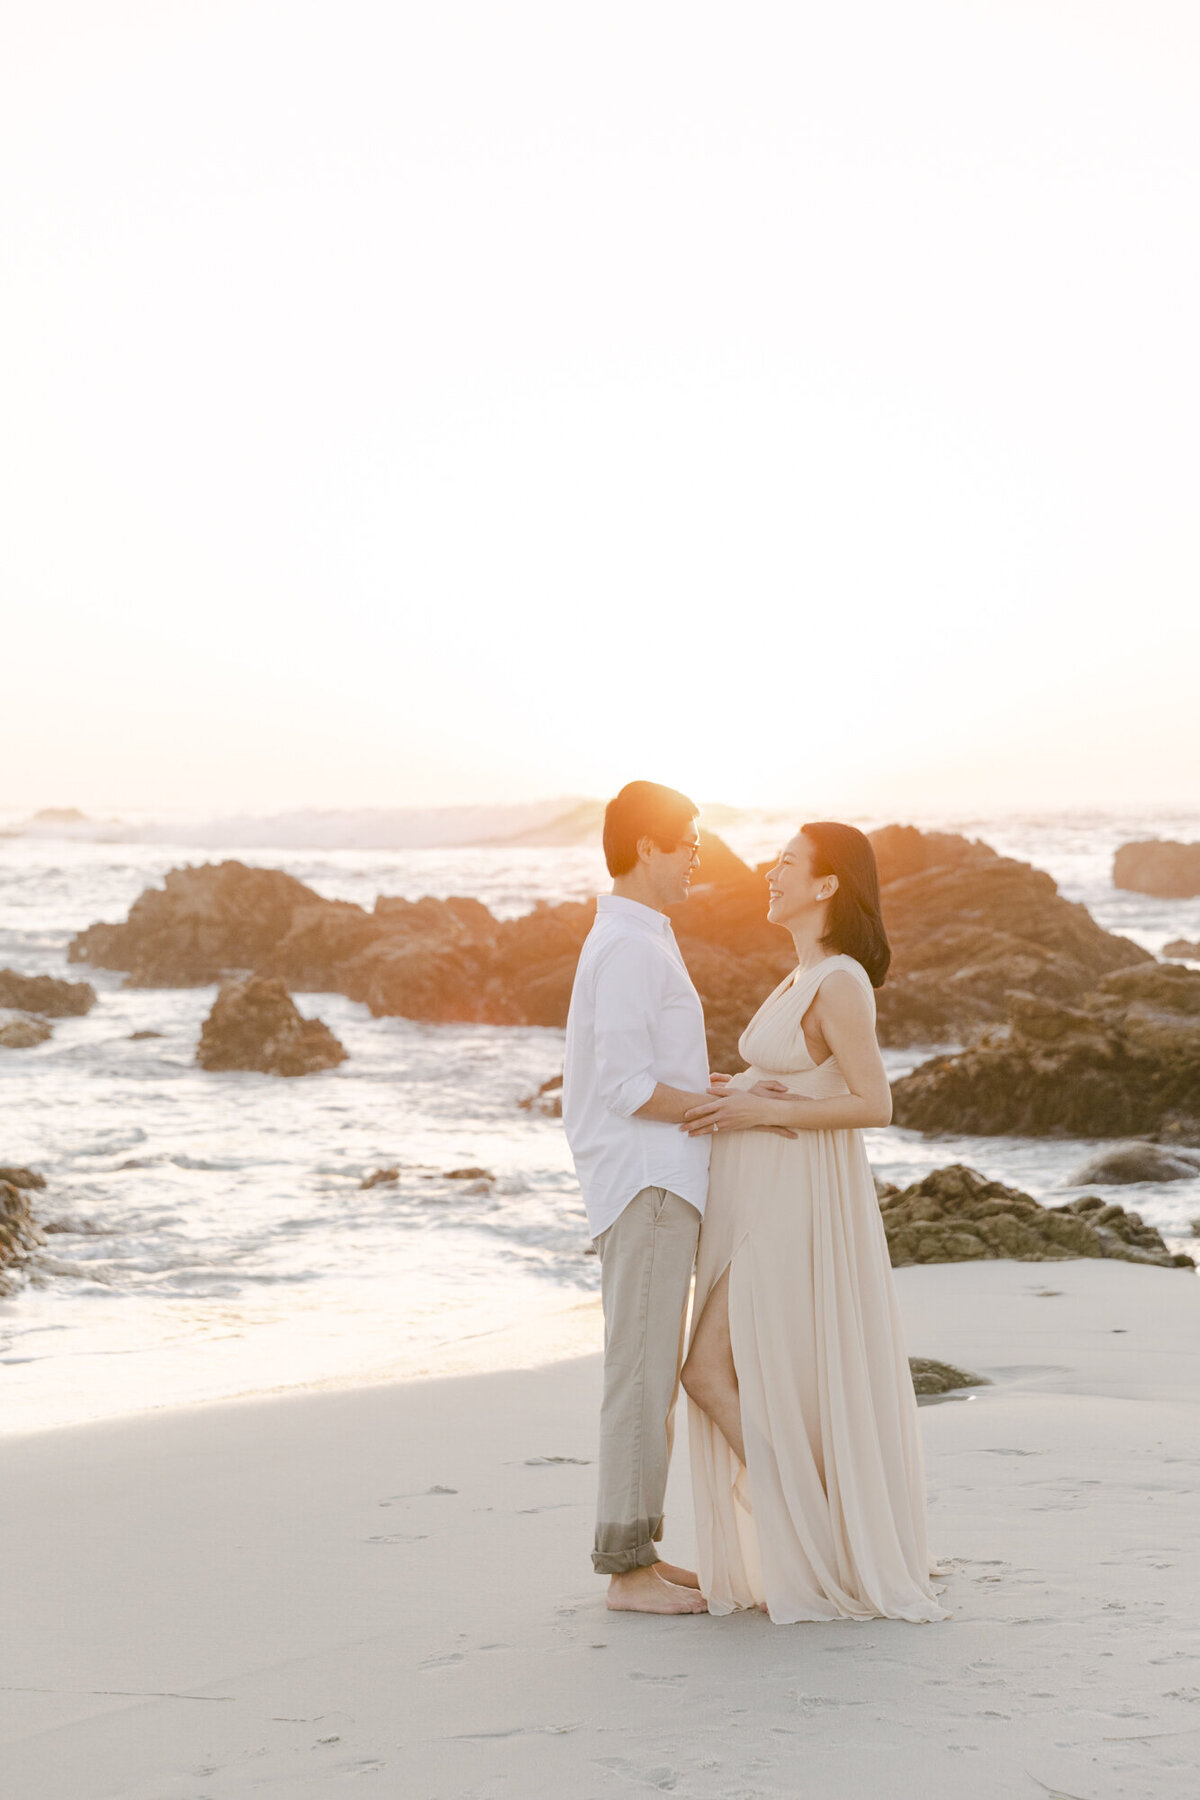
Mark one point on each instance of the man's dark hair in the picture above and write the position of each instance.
(854, 925)
(643, 809)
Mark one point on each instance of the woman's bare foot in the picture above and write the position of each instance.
(646, 1591)
(681, 1577)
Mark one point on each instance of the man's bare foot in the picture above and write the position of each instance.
(681, 1577)
(646, 1591)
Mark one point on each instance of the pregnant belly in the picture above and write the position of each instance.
(825, 1082)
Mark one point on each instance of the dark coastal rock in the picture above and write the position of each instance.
(322, 935)
(380, 1178)
(19, 1231)
(932, 1377)
(1124, 1062)
(22, 1031)
(46, 995)
(957, 1215)
(19, 1177)
(1184, 948)
(1125, 1164)
(451, 962)
(254, 1024)
(547, 1101)
(1168, 870)
(968, 932)
(201, 925)
(469, 1175)
(967, 927)
(903, 850)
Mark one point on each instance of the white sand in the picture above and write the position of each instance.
(273, 1597)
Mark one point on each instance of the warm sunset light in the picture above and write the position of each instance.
(469, 403)
(600, 899)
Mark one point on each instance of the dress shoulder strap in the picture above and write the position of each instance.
(812, 978)
(852, 964)
(853, 967)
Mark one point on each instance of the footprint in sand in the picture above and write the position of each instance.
(443, 1661)
(547, 1462)
(515, 1731)
(658, 1680)
(421, 1494)
(398, 1537)
(663, 1778)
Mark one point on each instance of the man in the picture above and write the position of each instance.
(636, 1060)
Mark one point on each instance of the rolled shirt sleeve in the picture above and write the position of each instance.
(628, 998)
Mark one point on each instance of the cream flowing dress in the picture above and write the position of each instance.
(827, 1520)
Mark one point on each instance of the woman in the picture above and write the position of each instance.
(806, 1455)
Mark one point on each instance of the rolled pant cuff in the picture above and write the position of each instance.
(620, 1562)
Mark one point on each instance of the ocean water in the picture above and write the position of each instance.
(210, 1233)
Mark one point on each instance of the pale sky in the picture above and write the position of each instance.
(407, 404)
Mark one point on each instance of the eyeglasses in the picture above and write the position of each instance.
(694, 857)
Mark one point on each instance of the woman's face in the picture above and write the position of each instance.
(792, 887)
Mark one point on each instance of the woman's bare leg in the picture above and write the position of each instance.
(709, 1377)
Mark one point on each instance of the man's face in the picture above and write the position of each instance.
(672, 870)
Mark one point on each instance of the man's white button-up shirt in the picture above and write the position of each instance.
(635, 1020)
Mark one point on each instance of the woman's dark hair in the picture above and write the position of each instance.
(643, 809)
(855, 924)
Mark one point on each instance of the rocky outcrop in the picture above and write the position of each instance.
(957, 1215)
(19, 1232)
(380, 1178)
(46, 995)
(450, 961)
(967, 927)
(1184, 948)
(932, 1377)
(970, 929)
(22, 1031)
(201, 925)
(1157, 866)
(254, 1024)
(1126, 1164)
(547, 1101)
(903, 850)
(1124, 1062)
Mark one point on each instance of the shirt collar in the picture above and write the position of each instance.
(634, 910)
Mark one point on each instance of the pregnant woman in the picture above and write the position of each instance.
(806, 1454)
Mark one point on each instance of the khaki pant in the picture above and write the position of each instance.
(646, 1260)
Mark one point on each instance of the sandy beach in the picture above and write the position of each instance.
(282, 1596)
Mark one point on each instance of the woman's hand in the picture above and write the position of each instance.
(728, 1110)
(732, 1110)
